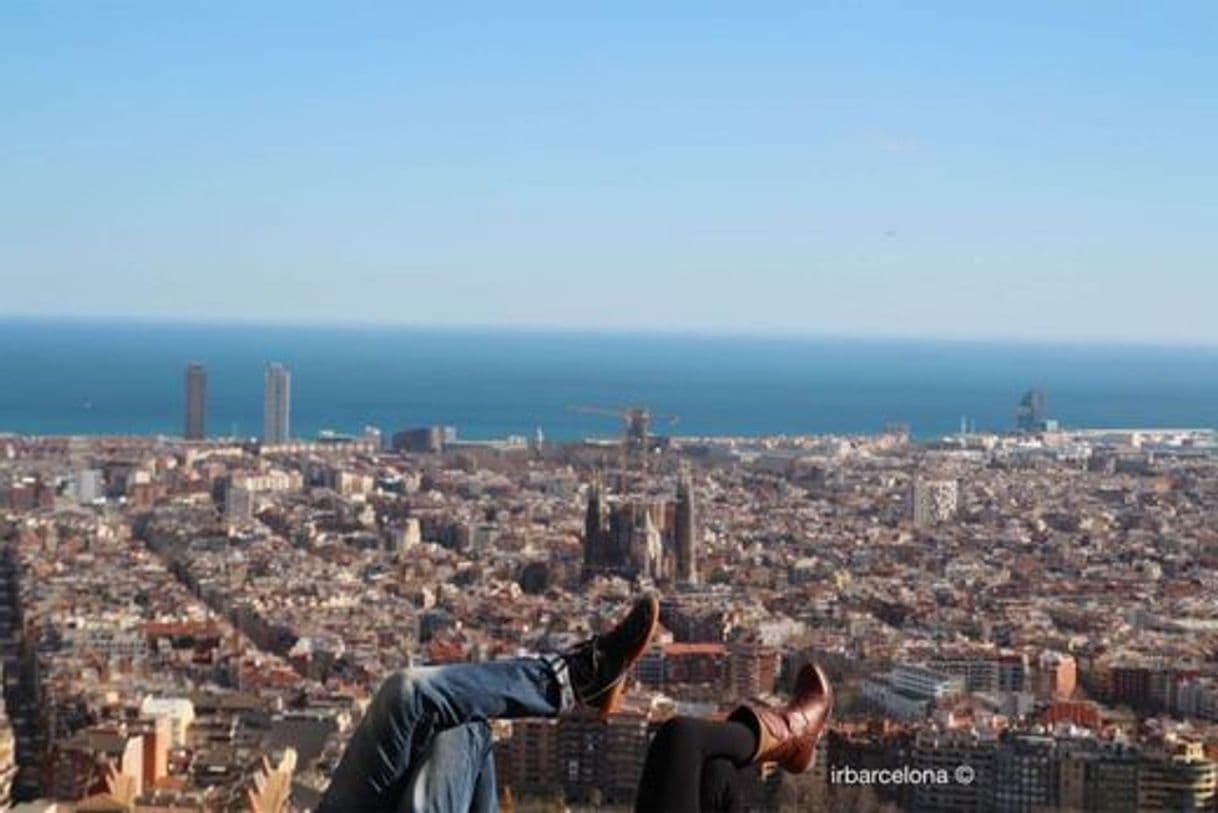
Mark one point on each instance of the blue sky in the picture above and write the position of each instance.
(952, 169)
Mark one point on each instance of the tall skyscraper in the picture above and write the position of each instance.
(686, 531)
(196, 402)
(277, 404)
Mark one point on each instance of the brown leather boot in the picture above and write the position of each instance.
(788, 735)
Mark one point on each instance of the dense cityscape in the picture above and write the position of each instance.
(619, 407)
(197, 623)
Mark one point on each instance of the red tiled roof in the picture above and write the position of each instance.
(708, 648)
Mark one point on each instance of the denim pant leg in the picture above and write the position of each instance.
(486, 790)
(412, 706)
(456, 774)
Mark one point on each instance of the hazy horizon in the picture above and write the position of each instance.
(641, 331)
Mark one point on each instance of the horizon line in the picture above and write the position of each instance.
(781, 333)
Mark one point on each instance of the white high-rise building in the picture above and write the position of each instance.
(933, 501)
(277, 404)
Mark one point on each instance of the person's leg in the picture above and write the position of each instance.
(724, 787)
(673, 773)
(414, 705)
(486, 789)
(456, 774)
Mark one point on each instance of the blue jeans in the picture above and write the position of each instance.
(425, 741)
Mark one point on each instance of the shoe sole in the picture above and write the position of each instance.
(612, 699)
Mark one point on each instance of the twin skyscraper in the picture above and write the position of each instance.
(196, 402)
(276, 403)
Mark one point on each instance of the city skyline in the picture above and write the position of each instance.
(962, 171)
(496, 383)
(1031, 606)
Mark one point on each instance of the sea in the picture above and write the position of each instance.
(94, 377)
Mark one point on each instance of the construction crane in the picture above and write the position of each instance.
(636, 423)
(635, 441)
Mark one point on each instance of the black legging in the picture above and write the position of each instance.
(696, 765)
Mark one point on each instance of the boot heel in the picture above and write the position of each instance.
(613, 700)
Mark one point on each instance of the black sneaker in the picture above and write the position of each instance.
(599, 665)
